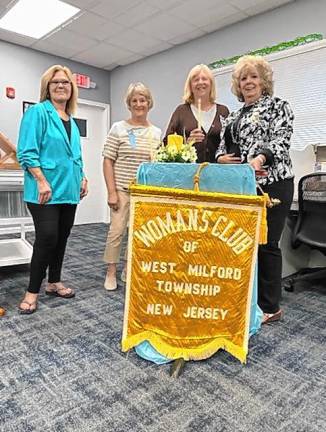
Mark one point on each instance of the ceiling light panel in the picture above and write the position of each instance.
(34, 18)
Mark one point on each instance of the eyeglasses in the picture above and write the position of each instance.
(56, 83)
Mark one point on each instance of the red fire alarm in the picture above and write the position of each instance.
(10, 92)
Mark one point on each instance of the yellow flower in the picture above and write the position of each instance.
(175, 141)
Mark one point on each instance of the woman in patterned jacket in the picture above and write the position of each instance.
(259, 134)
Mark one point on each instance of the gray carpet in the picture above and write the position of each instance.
(62, 368)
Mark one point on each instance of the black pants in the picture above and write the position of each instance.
(53, 223)
(269, 255)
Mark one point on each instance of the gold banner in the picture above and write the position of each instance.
(190, 271)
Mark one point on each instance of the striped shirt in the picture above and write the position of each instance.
(128, 146)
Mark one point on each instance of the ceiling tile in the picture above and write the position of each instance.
(111, 66)
(136, 14)
(4, 3)
(111, 8)
(133, 40)
(243, 4)
(165, 27)
(203, 15)
(56, 50)
(130, 59)
(68, 39)
(186, 37)
(83, 4)
(103, 54)
(256, 4)
(16, 38)
(165, 4)
(264, 6)
(223, 22)
(107, 30)
(86, 24)
(157, 48)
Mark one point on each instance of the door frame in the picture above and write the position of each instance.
(107, 112)
(105, 106)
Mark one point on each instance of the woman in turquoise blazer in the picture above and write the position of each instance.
(50, 153)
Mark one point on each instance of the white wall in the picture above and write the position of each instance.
(165, 73)
(22, 68)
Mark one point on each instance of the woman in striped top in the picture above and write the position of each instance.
(128, 144)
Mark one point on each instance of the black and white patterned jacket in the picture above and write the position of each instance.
(265, 129)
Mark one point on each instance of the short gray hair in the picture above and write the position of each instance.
(141, 89)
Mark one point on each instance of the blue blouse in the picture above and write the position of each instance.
(43, 142)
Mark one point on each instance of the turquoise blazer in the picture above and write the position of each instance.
(43, 142)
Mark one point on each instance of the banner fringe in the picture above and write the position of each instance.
(263, 229)
(201, 353)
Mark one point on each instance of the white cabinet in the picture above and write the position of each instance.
(15, 251)
(14, 218)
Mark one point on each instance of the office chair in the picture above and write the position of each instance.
(310, 228)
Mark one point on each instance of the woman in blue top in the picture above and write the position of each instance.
(49, 151)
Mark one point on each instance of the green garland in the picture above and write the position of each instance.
(269, 50)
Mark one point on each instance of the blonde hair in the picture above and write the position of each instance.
(188, 96)
(47, 77)
(263, 68)
(141, 89)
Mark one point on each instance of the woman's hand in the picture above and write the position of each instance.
(113, 201)
(83, 188)
(196, 135)
(257, 163)
(229, 158)
(44, 191)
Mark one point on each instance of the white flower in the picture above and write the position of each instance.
(186, 153)
(255, 117)
(172, 151)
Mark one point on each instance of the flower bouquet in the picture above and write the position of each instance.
(176, 150)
